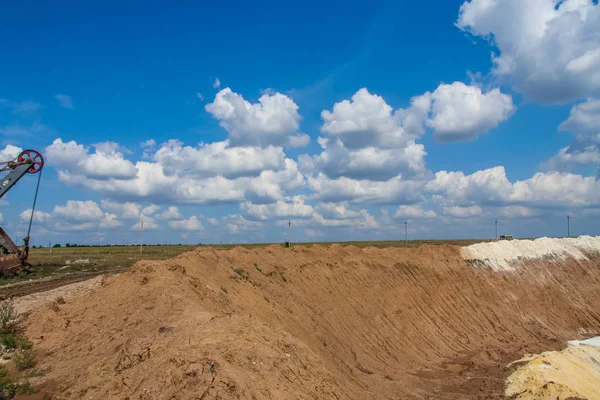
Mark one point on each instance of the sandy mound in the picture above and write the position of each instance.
(508, 255)
(571, 373)
(312, 323)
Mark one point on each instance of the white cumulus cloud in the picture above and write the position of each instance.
(278, 210)
(107, 161)
(191, 224)
(414, 211)
(9, 152)
(172, 212)
(463, 212)
(460, 112)
(547, 49)
(270, 122)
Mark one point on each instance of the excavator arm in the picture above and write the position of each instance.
(12, 258)
(14, 175)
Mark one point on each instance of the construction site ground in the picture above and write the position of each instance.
(310, 322)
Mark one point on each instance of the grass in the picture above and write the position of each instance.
(10, 388)
(15, 346)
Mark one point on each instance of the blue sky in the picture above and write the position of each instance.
(504, 120)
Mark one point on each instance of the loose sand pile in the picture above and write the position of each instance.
(507, 255)
(571, 373)
(312, 323)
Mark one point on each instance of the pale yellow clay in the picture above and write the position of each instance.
(572, 372)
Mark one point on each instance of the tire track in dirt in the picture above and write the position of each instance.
(42, 285)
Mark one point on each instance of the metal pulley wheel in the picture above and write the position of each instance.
(37, 161)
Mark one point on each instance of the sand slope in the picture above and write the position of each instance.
(570, 373)
(313, 323)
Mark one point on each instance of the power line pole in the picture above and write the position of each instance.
(496, 229)
(568, 226)
(288, 235)
(406, 233)
(141, 237)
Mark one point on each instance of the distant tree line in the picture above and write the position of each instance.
(58, 245)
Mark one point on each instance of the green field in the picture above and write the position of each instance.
(111, 259)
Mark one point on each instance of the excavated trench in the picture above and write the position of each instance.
(316, 323)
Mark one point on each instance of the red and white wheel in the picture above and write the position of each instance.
(37, 160)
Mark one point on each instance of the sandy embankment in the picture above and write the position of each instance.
(317, 323)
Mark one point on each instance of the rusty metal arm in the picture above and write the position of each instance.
(13, 176)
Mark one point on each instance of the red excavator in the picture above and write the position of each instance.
(13, 258)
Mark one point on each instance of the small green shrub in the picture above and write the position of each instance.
(242, 273)
(7, 387)
(26, 388)
(24, 359)
(8, 317)
(8, 340)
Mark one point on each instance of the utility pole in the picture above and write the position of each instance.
(405, 233)
(496, 229)
(141, 237)
(288, 235)
(568, 226)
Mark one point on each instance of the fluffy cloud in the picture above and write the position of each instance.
(369, 163)
(569, 157)
(584, 120)
(273, 121)
(107, 162)
(148, 146)
(557, 189)
(170, 213)
(516, 212)
(151, 209)
(38, 216)
(74, 216)
(64, 101)
(146, 222)
(392, 191)
(236, 224)
(463, 212)
(191, 224)
(218, 159)
(461, 112)
(549, 50)
(78, 211)
(180, 185)
(367, 140)
(336, 211)
(368, 121)
(362, 220)
(9, 152)
(487, 186)
(584, 150)
(492, 187)
(414, 211)
(278, 210)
